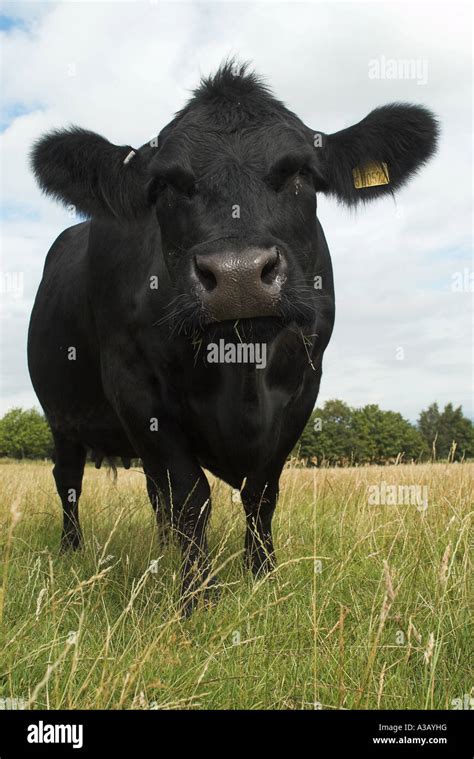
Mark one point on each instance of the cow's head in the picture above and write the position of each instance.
(233, 182)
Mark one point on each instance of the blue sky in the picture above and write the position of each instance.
(10, 112)
(8, 22)
(123, 69)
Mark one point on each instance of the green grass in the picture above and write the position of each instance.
(368, 607)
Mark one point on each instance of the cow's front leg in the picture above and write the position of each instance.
(259, 499)
(174, 476)
(185, 497)
(183, 494)
(184, 500)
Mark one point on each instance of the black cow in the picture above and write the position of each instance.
(186, 322)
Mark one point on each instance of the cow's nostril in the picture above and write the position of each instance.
(271, 268)
(205, 275)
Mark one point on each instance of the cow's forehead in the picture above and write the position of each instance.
(252, 145)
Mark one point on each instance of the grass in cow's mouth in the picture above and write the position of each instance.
(367, 609)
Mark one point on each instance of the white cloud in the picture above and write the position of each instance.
(123, 69)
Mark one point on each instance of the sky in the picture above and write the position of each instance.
(403, 268)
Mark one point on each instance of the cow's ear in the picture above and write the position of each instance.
(377, 155)
(83, 169)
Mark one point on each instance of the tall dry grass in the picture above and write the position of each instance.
(368, 607)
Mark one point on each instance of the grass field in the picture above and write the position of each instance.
(368, 607)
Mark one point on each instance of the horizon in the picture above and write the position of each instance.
(37, 407)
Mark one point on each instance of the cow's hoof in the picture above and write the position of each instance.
(260, 566)
(70, 543)
(206, 596)
(164, 536)
(187, 605)
(212, 593)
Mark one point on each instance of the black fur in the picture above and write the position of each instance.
(141, 351)
(83, 169)
(401, 135)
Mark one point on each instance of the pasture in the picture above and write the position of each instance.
(368, 607)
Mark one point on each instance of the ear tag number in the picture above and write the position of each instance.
(371, 175)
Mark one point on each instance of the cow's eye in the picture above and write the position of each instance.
(192, 190)
(155, 188)
(288, 168)
(306, 174)
(160, 185)
(299, 179)
(175, 178)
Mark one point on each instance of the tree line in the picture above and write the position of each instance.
(340, 435)
(335, 435)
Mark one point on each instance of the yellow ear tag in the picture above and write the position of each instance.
(371, 175)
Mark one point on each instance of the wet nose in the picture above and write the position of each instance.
(240, 285)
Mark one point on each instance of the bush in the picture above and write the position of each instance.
(448, 433)
(25, 434)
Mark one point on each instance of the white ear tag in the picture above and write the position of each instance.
(129, 157)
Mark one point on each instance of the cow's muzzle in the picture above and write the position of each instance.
(239, 285)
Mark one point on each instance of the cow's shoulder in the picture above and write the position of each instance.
(71, 242)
